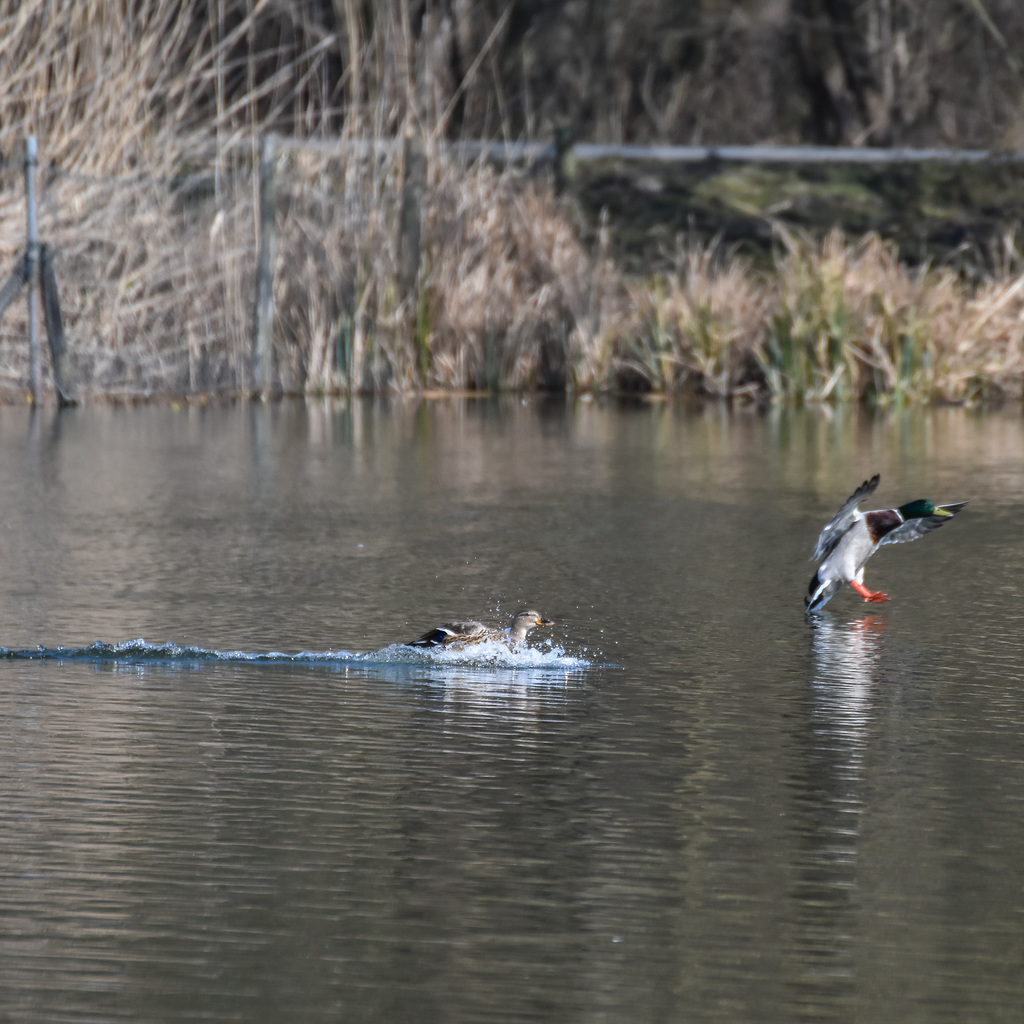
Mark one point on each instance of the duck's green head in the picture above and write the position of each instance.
(921, 509)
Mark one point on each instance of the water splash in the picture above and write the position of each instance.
(492, 654)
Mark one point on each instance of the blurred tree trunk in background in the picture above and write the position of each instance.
(850, 72)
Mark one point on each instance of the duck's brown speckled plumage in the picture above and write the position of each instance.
(463, 633)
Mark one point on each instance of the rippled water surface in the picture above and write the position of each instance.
(228, 794)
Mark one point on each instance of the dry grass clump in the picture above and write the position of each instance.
(120, 84)
(830, 321)
(337, 309)
(851, 323)
(699, 329)
(156, 295)
(979, 339)
(514, 300)
(124, 98)
(507, 296)
(157, 286)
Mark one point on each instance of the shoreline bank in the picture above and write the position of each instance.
(158, 287)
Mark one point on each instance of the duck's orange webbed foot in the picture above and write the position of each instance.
(869, 595)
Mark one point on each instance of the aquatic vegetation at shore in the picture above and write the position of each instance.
(698, 328)
(831, 321)
(508, 299)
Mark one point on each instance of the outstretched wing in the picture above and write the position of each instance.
(843, 519)
(914, 528)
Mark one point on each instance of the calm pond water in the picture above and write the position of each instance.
(686, 803)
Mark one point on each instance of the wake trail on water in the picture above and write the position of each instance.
(483, 655)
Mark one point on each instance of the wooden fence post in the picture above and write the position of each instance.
(31, 267)
(54, 326)
(13, 284)
(565, 160)
(410, 220)
(414, 186)
(263, 340)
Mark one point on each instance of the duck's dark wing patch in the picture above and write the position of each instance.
(914, 528)
(841, 521)
(450, 631)
(433, 638)
(956, 506)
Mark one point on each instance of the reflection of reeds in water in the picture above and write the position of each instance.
(151, 119)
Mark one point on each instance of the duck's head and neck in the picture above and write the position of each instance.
(921, 509)
(524, 621)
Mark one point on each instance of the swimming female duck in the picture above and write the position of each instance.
(852, 537)
(472, 632)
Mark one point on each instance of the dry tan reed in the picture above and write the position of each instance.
(157, 289)
(149, 117)
(699, 329)
(851, 323)
(515, 301)
(508, 297)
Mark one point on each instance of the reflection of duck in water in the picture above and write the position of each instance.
(460, 634)
(847, 656)
(852, 537)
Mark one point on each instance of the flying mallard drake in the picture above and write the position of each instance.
(852, 537)
(459, 634)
